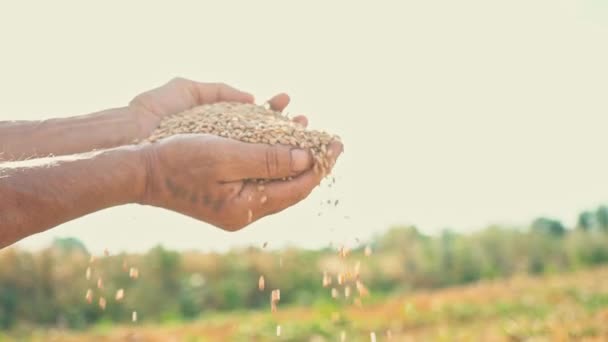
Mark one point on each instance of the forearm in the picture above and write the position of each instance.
(34, 199)
(31, 139)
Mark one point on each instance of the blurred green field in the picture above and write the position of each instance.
(541, 282)
(547, 308)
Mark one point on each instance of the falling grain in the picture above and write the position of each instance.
(89, 296)
(372, 336)
(357, 269)
(326, 279)
(99, 283)
(261, 283)
(120, 294)
(134, 316)
(278, 330)
(88, 273)
(133, 273)
(341, 279)
(363, 291)
(276, 295)
(334, 293)
(102, 303)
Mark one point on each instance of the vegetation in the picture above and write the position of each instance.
(46, 289)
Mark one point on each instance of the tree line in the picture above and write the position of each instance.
(48, 287)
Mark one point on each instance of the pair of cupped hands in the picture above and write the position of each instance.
(205, 176)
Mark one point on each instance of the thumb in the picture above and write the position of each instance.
(261, 161)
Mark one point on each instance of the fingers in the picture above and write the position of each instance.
(279, 102)
(278, 195)
(215, 92)
(301, 119)
(261, 161)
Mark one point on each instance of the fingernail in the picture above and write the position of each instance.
(300, 160)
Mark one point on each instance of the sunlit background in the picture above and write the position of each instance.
(454, 114)
(475, 170)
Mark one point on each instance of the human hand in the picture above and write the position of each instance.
(206, 177)
(181, 94)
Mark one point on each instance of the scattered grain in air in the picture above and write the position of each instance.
(120, 294)
(106, 252)
(372, 336)
(278, 330)
(261, 283)
(336, 203)
(134, 316)
(368, 251)
(88, 275)
(363, 291)
(265, 244)
(249, 216)
(341, 279)
(326, 280)
(99, 283)
(343, 336)
(276, 295)
(102, 303)
(347, 291)
(357, 268)
(343, 252)
(334, 293)
(133, 273)
(263, 199)
(89, 296)
(389, 335)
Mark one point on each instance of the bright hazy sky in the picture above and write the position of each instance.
(453, 113)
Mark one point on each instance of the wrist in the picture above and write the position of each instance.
(145, 120)
(147, 161)
(128, 163)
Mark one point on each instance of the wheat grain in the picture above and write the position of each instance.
(120, 294)
(102, 303)
(248, 123)
(89, 296)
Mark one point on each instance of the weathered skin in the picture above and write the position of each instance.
(201, 176)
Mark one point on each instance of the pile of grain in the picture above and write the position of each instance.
(248, 123)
